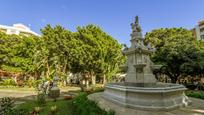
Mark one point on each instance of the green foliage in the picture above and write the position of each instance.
(6, 105)
(41, 99)
(191, 86)
(30, 82)
(37, 110)
(9, 82)
(82, 106)
(199, 95)
(34, 83)
(78, 106)
(89, 51)
(53, 110)
(158, 37)
(97, 52)
(19, 112)
(53, 52)
(62, 107)
(177, 50)
(16, 53)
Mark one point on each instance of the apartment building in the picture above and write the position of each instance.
(17, 29)
(198, 31)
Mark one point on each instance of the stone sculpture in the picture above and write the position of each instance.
(140, 89)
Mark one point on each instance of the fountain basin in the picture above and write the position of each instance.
(159, 96)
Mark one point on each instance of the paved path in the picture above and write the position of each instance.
(196, 108)
(16, 94)
(25, 95)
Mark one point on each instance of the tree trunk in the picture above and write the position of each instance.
(93, 79)
(87, 83)
(104, 80)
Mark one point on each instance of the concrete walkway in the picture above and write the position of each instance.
(23, 96)
(196, 108)
(24, 93)
(16, 94)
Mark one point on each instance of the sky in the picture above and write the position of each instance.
(113, 16)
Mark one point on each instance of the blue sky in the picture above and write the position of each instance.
(113, 16)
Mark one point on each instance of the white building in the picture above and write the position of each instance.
(198, 31)
(17, 29)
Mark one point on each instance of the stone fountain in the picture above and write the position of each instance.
(141, 89)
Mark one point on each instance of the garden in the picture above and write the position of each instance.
(78, 105)
(41, 70)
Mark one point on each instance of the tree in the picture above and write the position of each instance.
(176, 49)
(3, 49)
(16, 53)
(53, 53)
(98, 52)
(89, 51)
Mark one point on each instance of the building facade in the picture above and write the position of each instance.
(17, 29)
(198, 31)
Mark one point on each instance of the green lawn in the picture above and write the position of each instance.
(195, 94)
(80, 105)
(62, 106)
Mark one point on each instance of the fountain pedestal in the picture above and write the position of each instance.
(160, 97)
(140, 89)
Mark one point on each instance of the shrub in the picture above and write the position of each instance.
(199, 95)
(53, 110)
(201, 87)
(37, 85)
(30, 83)
(9, 82)
(20, 112)
(82, 106)
(6, 105)
(41, 99)
(20, 83)
(37, 110)
(191, 86)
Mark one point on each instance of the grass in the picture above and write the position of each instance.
(62, 106)
(80, 105)
(195, 94)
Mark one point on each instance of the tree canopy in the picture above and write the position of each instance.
(88, 51)
(177, 50)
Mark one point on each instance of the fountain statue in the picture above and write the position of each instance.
(54, 91)
(141, 89)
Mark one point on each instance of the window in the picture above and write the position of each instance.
(202, 30)
(12, 31)
(202, 37)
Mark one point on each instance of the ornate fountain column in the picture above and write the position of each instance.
(138, 65)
